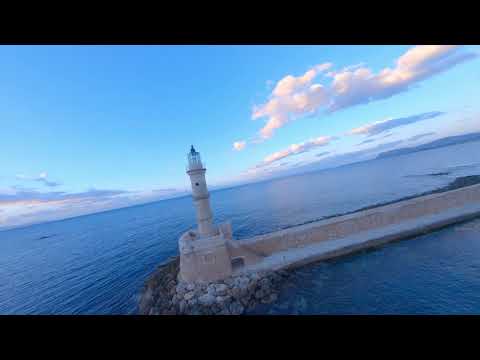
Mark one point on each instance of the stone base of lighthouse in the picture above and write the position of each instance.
(205, 258)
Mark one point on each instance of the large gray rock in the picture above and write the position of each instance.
(245, 300)
(241, 287)
(221, 289)
(211, 289)
(265, 283)
(181, 289)
(236, 293)
(229, 281)
(207, 299)
(221, 300)
(189, 295)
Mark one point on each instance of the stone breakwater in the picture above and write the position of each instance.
(261, 260)
(164, 294)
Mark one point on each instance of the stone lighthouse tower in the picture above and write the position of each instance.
(204, 252)
(200, 195)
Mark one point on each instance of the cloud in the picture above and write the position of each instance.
(291, 96)
(350, 157)
(323, 153)
(419, 136)
(290, 84)
(26, 206)
(418, 63)
(29, 195)
(296, 149)
(42, 178)
(297, 164)
(49, 183)
(239, 145)
(296, 97)
(384, 125)
(262, 171)
(366, 141)
(23, 206)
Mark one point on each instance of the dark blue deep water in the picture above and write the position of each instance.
(96, 264)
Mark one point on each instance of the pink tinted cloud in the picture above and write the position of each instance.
(295, 149)
(295, 97)
(239, 145)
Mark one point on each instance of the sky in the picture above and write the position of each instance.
(90, 128)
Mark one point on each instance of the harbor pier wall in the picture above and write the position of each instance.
(344, 234)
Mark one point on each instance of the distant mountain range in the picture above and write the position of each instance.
(451, 140)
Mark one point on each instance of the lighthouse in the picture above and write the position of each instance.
(201, 197)
(204, 252)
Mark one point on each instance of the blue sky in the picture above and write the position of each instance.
(87, 128)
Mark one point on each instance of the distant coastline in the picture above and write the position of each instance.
(451, 140)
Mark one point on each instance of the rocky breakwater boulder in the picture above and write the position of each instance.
(164, 294)
(159, 288)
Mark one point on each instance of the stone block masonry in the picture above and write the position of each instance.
(344, 234)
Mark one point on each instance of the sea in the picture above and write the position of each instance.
(97, 264)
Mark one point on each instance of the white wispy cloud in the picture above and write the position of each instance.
(296, 149)
(296, 97)
(367, 141)
(420, 136)
(42, 178)
(239, 145)
(385, 125)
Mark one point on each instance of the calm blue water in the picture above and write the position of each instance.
(97, 264)
(432, 274)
